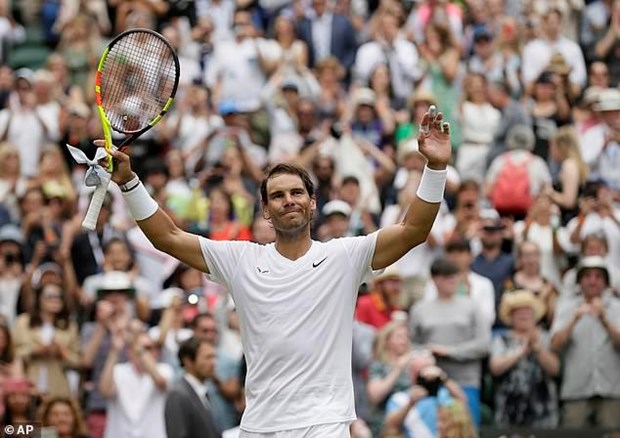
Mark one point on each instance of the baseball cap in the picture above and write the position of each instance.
(11, 233)
(336, 206)
(45, 269)
(25, 74)
(116, 281)
(482, 33)
(228, 107)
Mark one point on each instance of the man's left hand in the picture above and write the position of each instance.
(434, 139)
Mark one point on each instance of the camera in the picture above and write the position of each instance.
(431, 385)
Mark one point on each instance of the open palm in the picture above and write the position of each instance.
(434, 139)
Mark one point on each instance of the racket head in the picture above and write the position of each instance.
(137, 78)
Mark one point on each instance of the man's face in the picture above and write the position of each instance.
(593, 282)
(389, 28)
(118, 300)
(462, 259)
(289, 207)
(554, 24)
(446, 284)
(338, 225)
(350, 193)
(204, 365)
(529, 256)
(319, 6)
(491, 235)
(206, 330)
(242, 25)
(118, 256)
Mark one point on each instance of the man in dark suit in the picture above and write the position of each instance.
(188, 410)
(327, 34)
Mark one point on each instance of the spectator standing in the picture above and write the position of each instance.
(455, 331)
(188, 411)
(135, 390)
(389, 372)
(46, 340)
(240, 66)
(492, 262)
(537, 53)
(24, 124)
(524, 366)
(516, 176)
(389, 48)
(327, 34)
(472, 285)
(479, 120)
(414, 410)
(586, 330)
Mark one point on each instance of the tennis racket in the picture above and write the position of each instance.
(137, 78)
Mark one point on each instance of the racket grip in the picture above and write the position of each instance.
(90, 221)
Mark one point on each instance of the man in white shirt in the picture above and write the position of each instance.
(538, 52)
(477, 287)
(296, 297)
(240, 66)
(136, 390)
(390, 48)
(188, 411)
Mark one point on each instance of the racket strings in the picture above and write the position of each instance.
(137, 79)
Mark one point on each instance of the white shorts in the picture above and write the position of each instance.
(331, 430)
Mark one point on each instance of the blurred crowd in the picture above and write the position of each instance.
(507, 316)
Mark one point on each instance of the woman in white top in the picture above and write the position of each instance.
(479, 119)
(542, 227)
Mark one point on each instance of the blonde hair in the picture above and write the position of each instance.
(382, 339)
(6, 148)
(455, 421)
(567, 143)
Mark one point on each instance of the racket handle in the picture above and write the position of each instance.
(90, 221)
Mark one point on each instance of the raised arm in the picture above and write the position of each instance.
(396, 240)
(158, 227)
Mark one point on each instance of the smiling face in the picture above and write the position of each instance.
(289, 207)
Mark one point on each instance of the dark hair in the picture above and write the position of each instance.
(290, 169)
(457, 244)
(467, 185)
(350, 180)
(189, 349)
(196, 320)
(61, 319)
(8, 354)
(443, 268)
(501, 85)
(229, 200)
(113, 241)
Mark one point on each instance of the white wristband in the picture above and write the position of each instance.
(141, 205)
(432, 185)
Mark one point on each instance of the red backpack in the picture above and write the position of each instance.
(511, 193)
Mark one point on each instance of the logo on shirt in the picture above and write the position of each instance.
(316, 265)
(262, 271)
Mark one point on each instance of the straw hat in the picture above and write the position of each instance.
(389, 273)
(516, 299)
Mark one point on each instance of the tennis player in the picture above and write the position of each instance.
(296, 297)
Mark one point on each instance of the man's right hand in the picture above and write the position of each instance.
(122, 172)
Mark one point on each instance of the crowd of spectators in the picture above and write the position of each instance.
(508, 315)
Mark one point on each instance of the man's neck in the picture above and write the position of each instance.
(491, 253)
(293, 246)
(445, 296)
